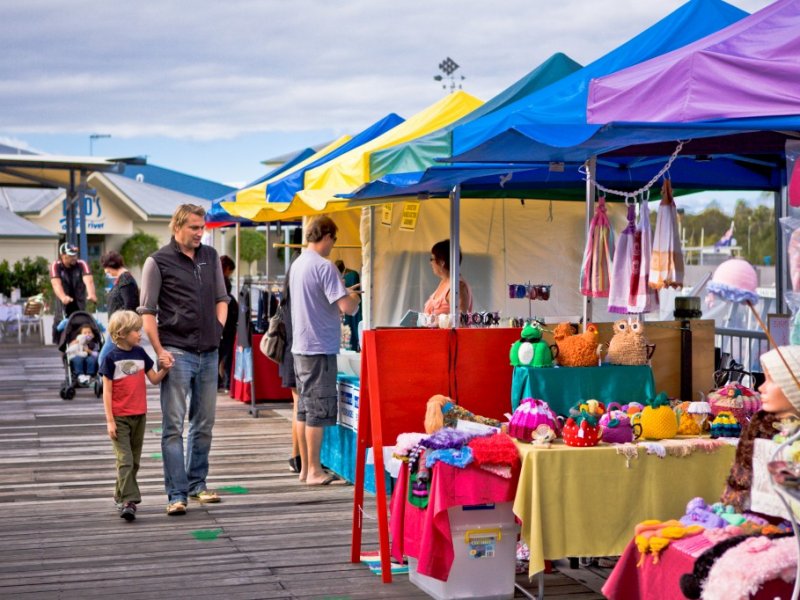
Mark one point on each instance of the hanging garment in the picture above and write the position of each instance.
(244, 326)
(621, 269)
(641, 297)
(599, 252)
(666, 261)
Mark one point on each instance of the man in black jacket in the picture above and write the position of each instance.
(184, 306)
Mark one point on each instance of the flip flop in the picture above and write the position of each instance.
(326, 481)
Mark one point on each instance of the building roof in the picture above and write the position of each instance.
(152, 200)
(16, 226)
(177, 182)
(26, 201)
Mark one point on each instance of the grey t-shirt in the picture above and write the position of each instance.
(315, 286)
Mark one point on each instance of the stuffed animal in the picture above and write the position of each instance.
(628, 346)
(531, 350)
(742, 402)
(658, 420)
(577, 350)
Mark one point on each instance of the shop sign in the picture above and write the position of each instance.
(408, 218)
(93, 211)
(386, 214)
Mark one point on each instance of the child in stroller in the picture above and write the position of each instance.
(80, 343)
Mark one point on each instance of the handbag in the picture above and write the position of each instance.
(273, 344)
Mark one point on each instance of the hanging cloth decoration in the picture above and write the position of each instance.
(599, 253)
(621, 269)
(641, 297)
(666, 262)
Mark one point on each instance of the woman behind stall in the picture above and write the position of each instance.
(226, 345)
(439, 301)
(124, 294)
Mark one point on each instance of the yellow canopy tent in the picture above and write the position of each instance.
(350, 170)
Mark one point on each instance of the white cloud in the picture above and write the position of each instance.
(211, 70)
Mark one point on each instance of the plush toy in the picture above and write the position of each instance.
(441, 411)
(658, 420)
(577, 350)
(531, 421)
(629, 346)
(581, 430)
(698, 512)
(531, 350)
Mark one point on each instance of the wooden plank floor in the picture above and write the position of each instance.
(61, 537)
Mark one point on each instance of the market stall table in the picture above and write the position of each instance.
(586, 501)
(563, 387)
(658, 581)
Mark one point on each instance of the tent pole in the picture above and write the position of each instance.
(370, 272)
(455, 245)
(238, 266)
(591, 171)
(781, 273)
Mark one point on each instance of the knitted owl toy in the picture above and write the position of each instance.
(658, 420)
(629, 346)
(531, 350)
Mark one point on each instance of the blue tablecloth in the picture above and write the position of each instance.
(563, 387)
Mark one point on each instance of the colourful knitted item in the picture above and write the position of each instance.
(765, 559)
(497, 449)
(658, 420)
(457, 457)
(581, 430)
(653, 536)
(405, 443)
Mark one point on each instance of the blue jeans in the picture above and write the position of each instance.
(191, 382)
(84, 365)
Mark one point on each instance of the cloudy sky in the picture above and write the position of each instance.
(211, 88)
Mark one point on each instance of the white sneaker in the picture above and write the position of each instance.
(83, 379)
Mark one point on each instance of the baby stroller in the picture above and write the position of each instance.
(73, 326)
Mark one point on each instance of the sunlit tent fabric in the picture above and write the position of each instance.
(284, 189)
(250, 200)
(555, 117)
(556, 114)
(422, 152)
(351, 170)
(749, 69)
(219, 217)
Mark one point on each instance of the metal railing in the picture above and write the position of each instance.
(743, 346)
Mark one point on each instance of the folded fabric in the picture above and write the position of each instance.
(447, 437)
(653, 536)
(457, 457)
(765, 559)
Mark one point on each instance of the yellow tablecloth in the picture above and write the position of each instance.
(586, 501)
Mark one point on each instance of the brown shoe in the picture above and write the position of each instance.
(176, 508)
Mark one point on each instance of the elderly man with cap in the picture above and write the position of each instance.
(71, 280)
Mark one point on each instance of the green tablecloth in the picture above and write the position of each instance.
(563, 387)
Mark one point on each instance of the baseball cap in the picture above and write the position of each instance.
(68, 249)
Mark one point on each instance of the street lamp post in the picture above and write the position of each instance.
(96, 136)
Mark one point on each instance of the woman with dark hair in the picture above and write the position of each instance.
(439, 301)
(226, 345)
(124, 295)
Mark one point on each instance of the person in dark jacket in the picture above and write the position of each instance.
(226, 347)
(184, 307)
(124, 295)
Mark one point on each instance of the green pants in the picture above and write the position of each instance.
(128, 450)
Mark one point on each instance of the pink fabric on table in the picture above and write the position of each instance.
(425, 533)
(657, 582)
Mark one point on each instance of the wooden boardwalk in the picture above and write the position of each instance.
(61, 537)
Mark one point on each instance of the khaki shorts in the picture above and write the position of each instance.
(318, 404)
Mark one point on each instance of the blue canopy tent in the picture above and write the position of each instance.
(219, 217)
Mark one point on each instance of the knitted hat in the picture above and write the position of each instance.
(771, 361)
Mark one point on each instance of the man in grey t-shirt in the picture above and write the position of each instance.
(318, 297)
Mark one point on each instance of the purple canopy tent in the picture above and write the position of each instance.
(748, 69)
